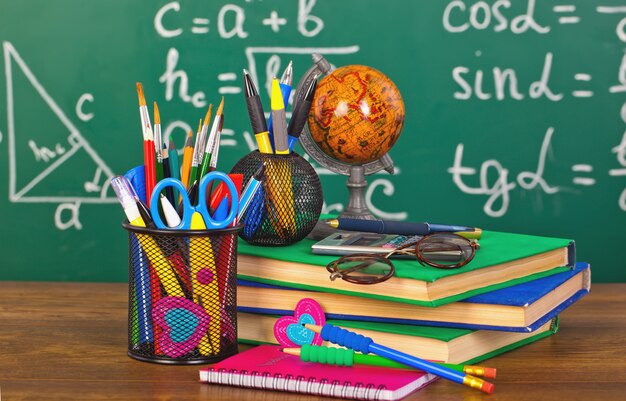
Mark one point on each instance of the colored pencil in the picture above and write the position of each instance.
(365, 345)
(347, 357)
(187, 157)
(174, 162)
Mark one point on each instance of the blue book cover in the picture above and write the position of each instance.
(488, 311)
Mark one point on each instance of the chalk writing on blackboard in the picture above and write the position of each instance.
(474, 85)
(231, 21)
(51, 155)
(500, 84)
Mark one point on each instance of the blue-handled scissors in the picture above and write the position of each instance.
(201, 209)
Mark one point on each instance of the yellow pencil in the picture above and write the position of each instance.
(205, 285)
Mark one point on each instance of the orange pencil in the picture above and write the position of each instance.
(148, 139)
(187, 156)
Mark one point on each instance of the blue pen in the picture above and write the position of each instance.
(247, 195)
(285, 89)
(141, 273)
(256, 213)
(401, 227)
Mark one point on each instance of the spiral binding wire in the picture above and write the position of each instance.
(299, 384)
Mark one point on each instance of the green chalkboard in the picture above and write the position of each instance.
(515, 113)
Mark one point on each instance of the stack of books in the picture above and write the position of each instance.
(508, 296)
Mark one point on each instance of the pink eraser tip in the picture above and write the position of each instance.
(488, 387)
(489, 373)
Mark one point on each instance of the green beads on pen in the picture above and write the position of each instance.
(328, 355)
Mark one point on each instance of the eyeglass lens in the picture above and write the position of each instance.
(445, 250)
(363, 269)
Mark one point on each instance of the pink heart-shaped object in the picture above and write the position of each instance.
(307, 311)
(183, 323)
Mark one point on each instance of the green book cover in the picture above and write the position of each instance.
(497, 248)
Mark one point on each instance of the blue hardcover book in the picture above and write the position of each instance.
(520, 308)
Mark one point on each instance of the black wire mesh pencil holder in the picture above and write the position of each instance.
(287, 206)
(182, 295)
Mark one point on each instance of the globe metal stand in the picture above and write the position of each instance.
(356, 173)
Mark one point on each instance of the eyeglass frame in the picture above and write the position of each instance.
(336, 273)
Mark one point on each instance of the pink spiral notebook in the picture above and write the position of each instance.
(266, 367)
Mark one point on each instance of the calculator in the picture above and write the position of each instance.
(347, 243)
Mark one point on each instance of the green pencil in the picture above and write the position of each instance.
(347, 357)
(174, 163)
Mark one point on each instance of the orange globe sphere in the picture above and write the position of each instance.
(357, 114)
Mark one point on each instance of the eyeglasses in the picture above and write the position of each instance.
(440, 250)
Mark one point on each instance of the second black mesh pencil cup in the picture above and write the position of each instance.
(287, 206)
(182, 295)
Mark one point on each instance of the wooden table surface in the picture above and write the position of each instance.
(68, 341)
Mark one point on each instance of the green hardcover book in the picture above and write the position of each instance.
(440, 344)
(503, 260)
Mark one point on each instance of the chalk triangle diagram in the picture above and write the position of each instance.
(66, 174)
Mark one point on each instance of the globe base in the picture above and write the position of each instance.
(357, 184)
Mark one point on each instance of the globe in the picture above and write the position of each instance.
(357, 114)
